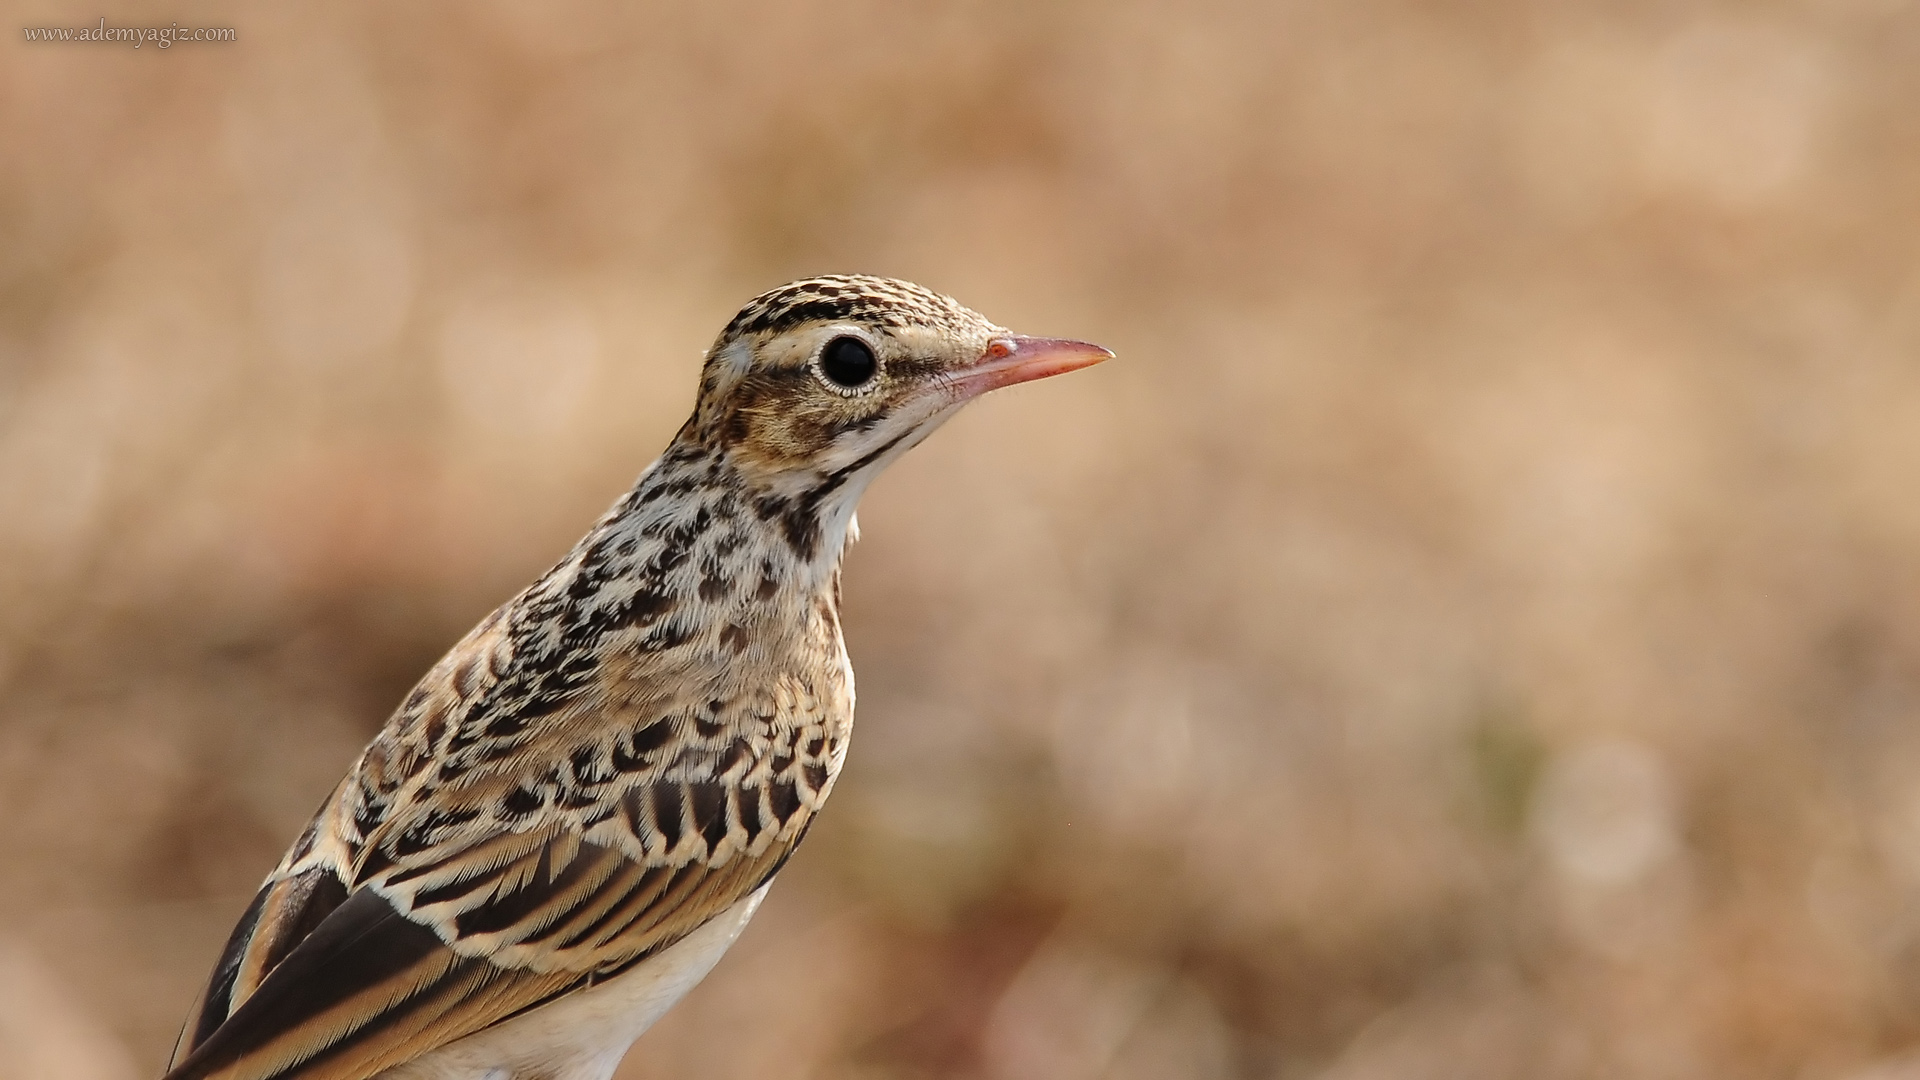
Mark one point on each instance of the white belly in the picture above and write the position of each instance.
(584, 1035)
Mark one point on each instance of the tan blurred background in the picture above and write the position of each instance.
(1472, 632)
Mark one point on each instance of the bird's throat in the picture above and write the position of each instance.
(717, 543)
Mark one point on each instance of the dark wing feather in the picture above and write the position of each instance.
(282, 914)
(371, 987)
(367, 982)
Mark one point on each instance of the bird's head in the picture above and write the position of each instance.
(816, 386)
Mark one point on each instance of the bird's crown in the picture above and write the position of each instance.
(877, 301)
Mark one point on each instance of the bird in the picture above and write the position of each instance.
(576, 811)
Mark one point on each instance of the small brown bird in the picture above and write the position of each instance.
(577, 810)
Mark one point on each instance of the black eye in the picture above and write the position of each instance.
(848, 362)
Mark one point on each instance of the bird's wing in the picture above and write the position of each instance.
(437, 949)
(469, 870)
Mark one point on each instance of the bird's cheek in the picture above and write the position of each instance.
(770, 444)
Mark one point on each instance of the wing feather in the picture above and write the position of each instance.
(384, 978)
(283, 913)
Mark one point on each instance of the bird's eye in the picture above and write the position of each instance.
(848, 362)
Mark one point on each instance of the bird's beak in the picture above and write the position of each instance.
(1011, 359)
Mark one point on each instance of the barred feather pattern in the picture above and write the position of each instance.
(691, 707)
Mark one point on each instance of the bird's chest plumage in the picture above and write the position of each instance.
(676, 689)
(757, 685)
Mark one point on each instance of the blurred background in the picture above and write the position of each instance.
(1472, 631)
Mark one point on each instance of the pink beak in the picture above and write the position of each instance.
(1013, 359)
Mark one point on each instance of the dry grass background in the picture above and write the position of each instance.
(1473, 630)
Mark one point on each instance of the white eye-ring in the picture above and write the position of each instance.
(846, 364)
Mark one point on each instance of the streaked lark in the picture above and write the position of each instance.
(577, 810)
